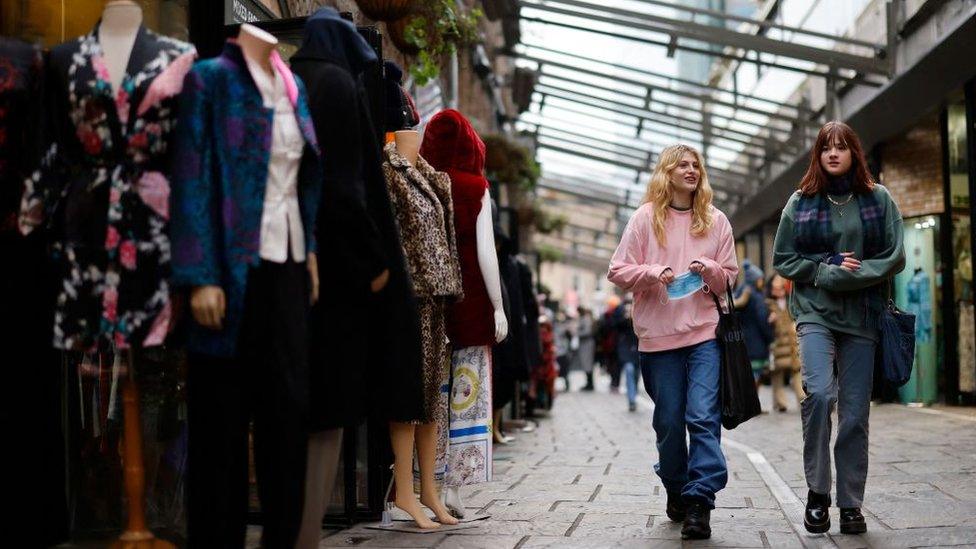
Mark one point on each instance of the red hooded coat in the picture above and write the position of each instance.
(451, 145)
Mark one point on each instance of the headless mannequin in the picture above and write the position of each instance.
(488, 265)
(208, 303)
(117, 33)
(403, 435)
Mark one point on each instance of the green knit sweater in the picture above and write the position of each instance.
(825, 294)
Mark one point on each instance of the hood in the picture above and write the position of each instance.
(329, 36)
(751, 274)
(450, 143)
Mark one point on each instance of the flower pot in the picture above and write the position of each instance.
(386, 10)
(396, 31)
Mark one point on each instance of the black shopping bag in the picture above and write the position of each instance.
(738, 395)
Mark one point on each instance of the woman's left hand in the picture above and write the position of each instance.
(696, 267)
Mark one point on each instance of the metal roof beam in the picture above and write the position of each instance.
(731, 176)
(798, 118)
(545, 119)
(857, 78)
(654, 99)
(584, 194)
(713, 34)
(665, 118)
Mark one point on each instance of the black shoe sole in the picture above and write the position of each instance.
(817, 528)
(853, 528)
(675, 517)
(696, 533)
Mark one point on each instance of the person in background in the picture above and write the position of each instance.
(607, 343)
(561, 337)
(840, 238)
(754, 318)
(626, 350)
(586, 353)
(676, 248)
(785, 359)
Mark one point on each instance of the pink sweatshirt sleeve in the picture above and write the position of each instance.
(724, 267)
(627, 268)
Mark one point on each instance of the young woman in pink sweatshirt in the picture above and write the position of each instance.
(676, 249)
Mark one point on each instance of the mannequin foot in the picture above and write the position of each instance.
(416, 512)
(452, 499)
(434, 503)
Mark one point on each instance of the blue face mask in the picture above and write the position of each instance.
(685, 285)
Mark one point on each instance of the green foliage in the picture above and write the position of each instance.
(547, 223)
(510, 163)
(549, 253)
(438, 29)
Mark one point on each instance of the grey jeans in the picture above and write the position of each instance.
(838, 370)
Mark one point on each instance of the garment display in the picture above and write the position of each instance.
(967, 349)
(421, 199)
(470, 451)
(21, 107)
(218, 245)
(920, 304)
(103, 187)
(511, 359)
(352, 251)
(530, 306)
(254, 367)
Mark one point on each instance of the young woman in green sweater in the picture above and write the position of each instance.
(840, 239)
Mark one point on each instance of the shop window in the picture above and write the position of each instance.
(51, 22)
(918, 290)
(958, 167)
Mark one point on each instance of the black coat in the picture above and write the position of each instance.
(533, 343)
(356, 337)
(510, 360)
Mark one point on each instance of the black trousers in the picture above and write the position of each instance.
(267, 383)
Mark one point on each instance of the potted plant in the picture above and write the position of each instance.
(386, 10)
(435, 29)
(510, 163)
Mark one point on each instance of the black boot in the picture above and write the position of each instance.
(697, 521)
(817, 517)
(852, 521)
(589, 382)
(676, 507)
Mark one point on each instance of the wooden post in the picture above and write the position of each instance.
(136, 534)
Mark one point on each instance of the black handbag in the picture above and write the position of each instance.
(738, 396)
(896, 343)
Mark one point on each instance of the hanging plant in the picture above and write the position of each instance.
(437, 28)
(549, 253)
(548, 223)
(396, 31)
(510, 163)
(386, 10)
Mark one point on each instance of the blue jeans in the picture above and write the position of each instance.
(630, 375)
(684, 385)
(838, 372)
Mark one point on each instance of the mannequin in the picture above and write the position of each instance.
(404, 435)
(117, 33)
(332, 57)
(478, 321)
(247, 341)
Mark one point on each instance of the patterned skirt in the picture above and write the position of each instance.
(469, 430)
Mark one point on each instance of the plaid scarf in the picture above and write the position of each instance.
(813, 230)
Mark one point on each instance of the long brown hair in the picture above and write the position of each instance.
(815, 180)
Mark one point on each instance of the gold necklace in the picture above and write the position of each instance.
(839, 205)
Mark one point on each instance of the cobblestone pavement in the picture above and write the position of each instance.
(584, 479)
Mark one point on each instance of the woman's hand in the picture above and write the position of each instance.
(379, 282)
(697, 267)
(667, 276)
(208, 305)
(313, 278)
(850, 262)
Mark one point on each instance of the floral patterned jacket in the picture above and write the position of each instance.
(103, 188)
(220, 171)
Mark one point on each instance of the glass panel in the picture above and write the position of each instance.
(51, 22)
(957, 145)
(918, 290)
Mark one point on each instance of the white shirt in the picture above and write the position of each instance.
(281, 221)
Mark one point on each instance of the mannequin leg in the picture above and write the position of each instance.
(320, 476)
(452, 499)
(402, 439)
(429, 491)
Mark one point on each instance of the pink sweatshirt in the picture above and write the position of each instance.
(661, 324)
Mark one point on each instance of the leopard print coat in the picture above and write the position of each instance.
(421, 199)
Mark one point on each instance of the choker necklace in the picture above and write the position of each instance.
(841, 203)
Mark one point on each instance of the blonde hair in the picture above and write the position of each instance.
(660, 192)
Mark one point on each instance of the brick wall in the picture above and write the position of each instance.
(912, 169)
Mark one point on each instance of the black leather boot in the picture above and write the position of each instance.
(676, 507)
(817, 517)
(852, 521)
(697, 521)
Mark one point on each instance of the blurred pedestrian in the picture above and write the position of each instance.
(586, 353)
(754, 318)
(785, 356)
(627, 353)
